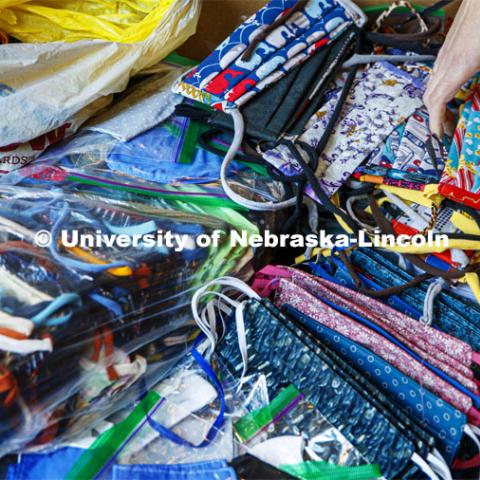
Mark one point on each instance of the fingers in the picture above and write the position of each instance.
(436, 100)
(437, 117)
(457, 62)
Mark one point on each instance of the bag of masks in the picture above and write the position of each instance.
(82, 323)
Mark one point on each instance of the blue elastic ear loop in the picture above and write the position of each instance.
(77, 264)
(108, 303)
(140, 229)
(217, 425)
(381, 331)
(375, 286)
(57, 304)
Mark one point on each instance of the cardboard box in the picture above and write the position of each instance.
(220, 17)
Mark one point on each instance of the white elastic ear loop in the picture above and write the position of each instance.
(472, 432)
(309, 449)
(433, 290)
(349, 207)
(439, 465)
(239, 129)
(242, 339)
(22, 290)
(424, 466)
(25, 347)
(208, 316)
(205, 324)
(209, 312)
(18, 324)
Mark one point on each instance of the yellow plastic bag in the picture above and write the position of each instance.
(72, 20)
(48, 89)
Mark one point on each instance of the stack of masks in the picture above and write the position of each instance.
(385, 381)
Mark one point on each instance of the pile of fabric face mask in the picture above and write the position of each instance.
(182, 361)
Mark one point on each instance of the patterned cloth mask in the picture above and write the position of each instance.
(438, 417)
(381, 99)
(285, 108)
(433, 379)
(433, 344)
(449, 308)
(461, 177)
(281, 35)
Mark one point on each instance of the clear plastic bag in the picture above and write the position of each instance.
(83, 324)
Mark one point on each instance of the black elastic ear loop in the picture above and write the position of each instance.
(192, 112)
(387, 292)
(308, 174)
(349, 35)
(301, 183)
(408, 45)
(312, 180)
(434, 8)
(432, 154)
(341, 101)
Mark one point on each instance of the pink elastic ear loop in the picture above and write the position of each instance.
(476, 358)
(267, 278)
(474, 416)
(473, 462)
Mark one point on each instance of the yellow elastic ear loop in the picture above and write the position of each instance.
(426, 198)
(425, 249)
(473, 282)
(465, 224)
(341, 222)
(89, 257)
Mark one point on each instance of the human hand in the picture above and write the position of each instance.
(457, 62)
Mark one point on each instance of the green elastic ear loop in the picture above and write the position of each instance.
(329, 471)
(109, 443)
(254, 422)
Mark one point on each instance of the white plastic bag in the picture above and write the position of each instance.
(45, 86)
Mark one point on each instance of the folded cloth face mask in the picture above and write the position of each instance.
(280, 36)
(439, 418)
(165, 154)
(404, 159)
(217, 469)
(435, 345)
(285, 108)
(461, 177)
(297, 358)
(376, 272)
(433, 378)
